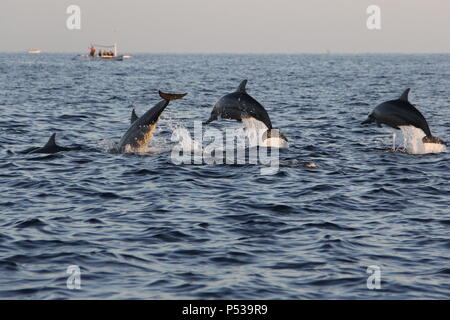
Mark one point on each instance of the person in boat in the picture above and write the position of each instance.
(92, 51)
(100, 53)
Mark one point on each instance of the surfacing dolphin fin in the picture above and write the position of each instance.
(49, 147)
(134, 116)
(51, 143)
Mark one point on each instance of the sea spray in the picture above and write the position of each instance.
(413, 144)
(209, 145)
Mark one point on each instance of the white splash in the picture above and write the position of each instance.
(130, 149)
(254, 130)
(413, 144)
(185, 141)
(251, 131)
(108, 145)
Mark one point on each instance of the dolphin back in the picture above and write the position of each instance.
(49, 147)
(404, 113)
(239, 106)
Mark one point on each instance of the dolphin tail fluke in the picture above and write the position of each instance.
(431, 139)
(171, 96)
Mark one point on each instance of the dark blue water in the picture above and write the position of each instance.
(139, 226)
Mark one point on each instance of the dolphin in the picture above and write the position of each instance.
(401, 112)
(49, 147)
(142, 128)
(239, 105)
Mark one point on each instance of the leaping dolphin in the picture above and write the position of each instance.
(239, 105)
(142, 128)
(49, 147)
(401, 112)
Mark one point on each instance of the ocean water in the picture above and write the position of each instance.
(139, 226)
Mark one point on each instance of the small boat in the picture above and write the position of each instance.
(34, 51)
(110, 54)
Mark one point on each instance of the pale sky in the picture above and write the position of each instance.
(227, 26)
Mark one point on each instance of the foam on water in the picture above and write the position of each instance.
(107, 145)
(255, 129)
(252, 131)
(413, 144)
(184, 139)
(130, 149)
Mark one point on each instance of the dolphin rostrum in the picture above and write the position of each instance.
(239, 105)
(142, 128)
(400, 112)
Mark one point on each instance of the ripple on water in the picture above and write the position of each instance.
(140, 226)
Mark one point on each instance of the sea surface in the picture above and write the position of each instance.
(139, 226)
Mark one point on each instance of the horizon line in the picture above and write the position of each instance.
(226, 53)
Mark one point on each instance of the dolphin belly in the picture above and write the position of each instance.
(142, 128)
(137, 138)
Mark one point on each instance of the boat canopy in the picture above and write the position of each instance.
(113, 46)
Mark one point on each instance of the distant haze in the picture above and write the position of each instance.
(227, 26)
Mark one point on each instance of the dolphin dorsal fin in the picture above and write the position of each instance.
(241, 87)
(404, 96)
(134, 116)
(51, 142)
